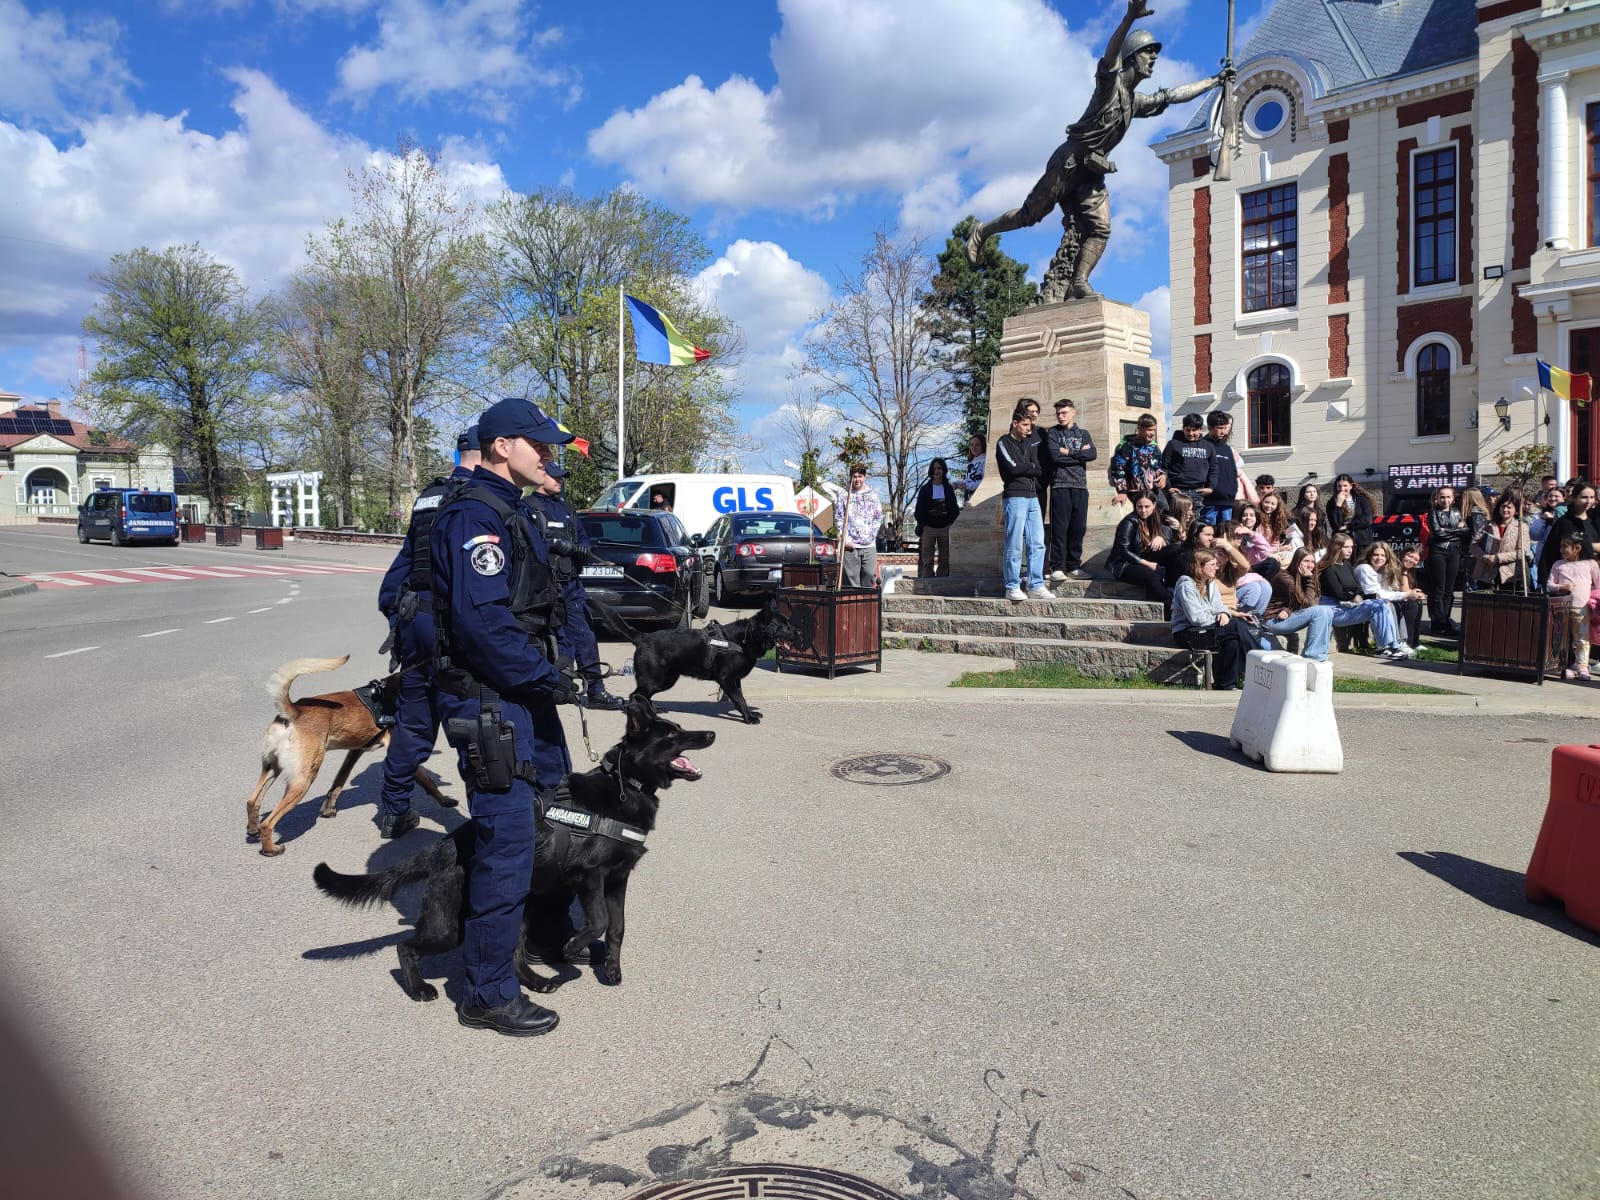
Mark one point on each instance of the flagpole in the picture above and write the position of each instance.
(621, 303)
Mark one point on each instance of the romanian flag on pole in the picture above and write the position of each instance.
(1577, 388)
(657, 339)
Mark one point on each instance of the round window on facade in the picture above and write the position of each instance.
(1266, 114)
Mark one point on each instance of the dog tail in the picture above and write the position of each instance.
(358, 891)
(278, 686)
(612, 621)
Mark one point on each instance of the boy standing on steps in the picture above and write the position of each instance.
(1068, 447)
(1017, 455)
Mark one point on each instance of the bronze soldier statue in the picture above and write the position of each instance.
(1074, 178)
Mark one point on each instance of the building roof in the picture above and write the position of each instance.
(1345, 43)
(27, 422)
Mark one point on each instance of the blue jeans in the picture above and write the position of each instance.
(1317, 621)
(1254, 596)
(1377, 613)
(1024, 521)
(1216, 514)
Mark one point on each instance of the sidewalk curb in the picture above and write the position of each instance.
(16, 587)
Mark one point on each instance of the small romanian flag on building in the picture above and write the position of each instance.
(1577, 388)
(657, 339)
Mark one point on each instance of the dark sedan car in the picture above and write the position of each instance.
(649, 572)
(746, 552)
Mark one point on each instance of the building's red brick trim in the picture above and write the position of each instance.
(1439, 106)
(1339, 346)
(1338, 228)
(1201, 167)
(1402, 262)
(1506, 8)
(1202, 257)
(1435, 316)
(1339, 131)
(1524, 327)
(1202, 362)
(1466, 271)
(1524, 153)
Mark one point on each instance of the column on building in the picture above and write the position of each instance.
(1557, 174)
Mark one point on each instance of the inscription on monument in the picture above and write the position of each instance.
(1136, 385)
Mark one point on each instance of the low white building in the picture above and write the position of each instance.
(1413, 221)
(50, 461)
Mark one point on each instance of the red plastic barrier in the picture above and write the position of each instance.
(1566, 858)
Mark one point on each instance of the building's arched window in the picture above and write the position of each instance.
(1268, 386)
(1433, 390)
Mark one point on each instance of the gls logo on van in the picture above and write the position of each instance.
(729, 499)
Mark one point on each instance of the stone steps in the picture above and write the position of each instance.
(1108, 609)
(1030, 626)
(1120, 660)
(990, 585)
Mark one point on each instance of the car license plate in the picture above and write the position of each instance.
(775, 573)
(605, 572)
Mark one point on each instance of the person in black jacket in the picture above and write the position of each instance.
(1447, 538)
(1190, 462)
(1017, 456)
(1579, 520)
(1067, 447)
(1140, 550)
(1350, 510)
(935, 512)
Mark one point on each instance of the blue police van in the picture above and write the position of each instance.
(123, 515)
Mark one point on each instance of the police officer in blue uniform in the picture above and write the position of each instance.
(406, 599)
(576, 636)
(496, 608)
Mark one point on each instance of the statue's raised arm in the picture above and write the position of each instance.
(1074, 178)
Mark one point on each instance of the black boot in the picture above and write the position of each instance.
(520, 1017)
(600, 698)
(394, 825)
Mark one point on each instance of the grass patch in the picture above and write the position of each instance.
(1437, 654)
(1053, 675)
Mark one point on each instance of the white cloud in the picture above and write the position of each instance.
(1158, 303)
(50, 71)
(481, 50)
(150, 180)
(924, 99)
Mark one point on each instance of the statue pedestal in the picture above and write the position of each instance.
(1080, 349)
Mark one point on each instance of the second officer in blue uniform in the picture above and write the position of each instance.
(496, 608)
(406, 599)
(576, 636)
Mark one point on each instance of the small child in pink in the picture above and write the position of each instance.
(1577, 579)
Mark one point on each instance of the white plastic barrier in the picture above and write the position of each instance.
(889, 576)
(1285, 716)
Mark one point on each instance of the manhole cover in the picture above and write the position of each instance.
(891, 770)
(769, 1179)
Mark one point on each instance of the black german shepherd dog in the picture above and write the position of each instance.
(618, 802)
(723, 654)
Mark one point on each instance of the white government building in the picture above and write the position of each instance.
(1413, 220)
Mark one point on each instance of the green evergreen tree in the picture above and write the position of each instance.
(968, 307)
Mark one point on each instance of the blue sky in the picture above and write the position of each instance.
(788, 131)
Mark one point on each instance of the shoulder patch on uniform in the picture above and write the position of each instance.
(491, 539)
(487, 558)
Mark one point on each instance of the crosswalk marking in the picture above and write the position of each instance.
(106, 577)
(47, 580)
(69, 653)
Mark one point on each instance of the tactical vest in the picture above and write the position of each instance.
(423, 514)
(561, 524)
(535, 598)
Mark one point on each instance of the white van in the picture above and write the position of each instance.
(698, 500)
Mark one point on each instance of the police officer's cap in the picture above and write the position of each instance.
(555, 470)
(516, 417)
(468, 440)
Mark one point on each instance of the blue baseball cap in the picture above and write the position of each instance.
(468, 440)
(555, 470)
(516, 417)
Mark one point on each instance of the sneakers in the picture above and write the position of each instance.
(1079, 573)
(1016, 595)
(1583, 674)
(1058, 576)
(1398, 651)
(394, 825)
(1040, 593)
(1568, 673)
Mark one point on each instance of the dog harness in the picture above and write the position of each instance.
(381, 717)
(561, 819)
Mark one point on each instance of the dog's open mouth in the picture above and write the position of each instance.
(684, 769)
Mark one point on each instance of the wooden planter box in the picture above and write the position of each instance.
(1511, 635)
(268, 537)
(192, 531)
(815, 574)
(229, 535)
(846, 627)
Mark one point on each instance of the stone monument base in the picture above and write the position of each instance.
(1094, 352)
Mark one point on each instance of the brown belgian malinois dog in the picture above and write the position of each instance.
(301, 735)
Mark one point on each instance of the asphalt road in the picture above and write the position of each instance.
(1100, 957)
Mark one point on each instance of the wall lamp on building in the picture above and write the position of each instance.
(1495, 272)
(1502, 409)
